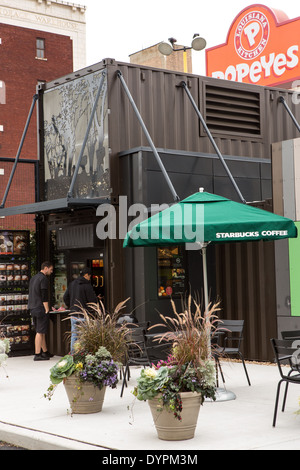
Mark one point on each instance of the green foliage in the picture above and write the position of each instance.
(99, 369)
(62, 369)
(151, 382)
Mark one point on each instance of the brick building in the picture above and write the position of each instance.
(151, 57)
(27, 57)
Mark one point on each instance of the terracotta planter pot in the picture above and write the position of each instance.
(88, 399)
(171, 429)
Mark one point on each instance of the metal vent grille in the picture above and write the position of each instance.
(78, 236)
(233, 111)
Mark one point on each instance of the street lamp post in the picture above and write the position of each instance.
(198, 44)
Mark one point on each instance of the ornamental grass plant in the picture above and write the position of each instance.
(100, 348)
(100, 328)
(190, 366)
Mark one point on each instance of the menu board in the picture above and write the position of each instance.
(14, 274)
(13, 304)
(15, 322)
(171, 271)
(18, 335)
(14, 243)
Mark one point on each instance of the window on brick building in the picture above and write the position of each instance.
(2, 93)
(40, 48)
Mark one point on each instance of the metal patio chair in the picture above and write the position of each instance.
(140, 353)
(291, 334)
(231, 343)
(286, 353)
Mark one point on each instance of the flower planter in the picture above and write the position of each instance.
(171, 429)
(84, 397)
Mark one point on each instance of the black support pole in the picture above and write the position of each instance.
(184, 86)
(34, 100)
(138, 115)
(282, 100)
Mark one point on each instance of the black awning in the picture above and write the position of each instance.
(56, 205)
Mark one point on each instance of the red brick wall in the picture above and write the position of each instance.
(21, 72)
(22, 192)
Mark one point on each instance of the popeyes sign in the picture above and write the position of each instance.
(262, 48)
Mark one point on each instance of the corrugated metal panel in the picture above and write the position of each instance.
(245, 277)
(169, 116)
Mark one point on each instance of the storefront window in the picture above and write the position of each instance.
(67, 110)
(171, 272)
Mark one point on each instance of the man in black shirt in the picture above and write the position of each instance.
(39, 309)
(79, 294)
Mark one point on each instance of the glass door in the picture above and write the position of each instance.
(97, 266)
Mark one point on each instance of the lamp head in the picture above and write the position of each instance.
(198, 43)
(165, 48)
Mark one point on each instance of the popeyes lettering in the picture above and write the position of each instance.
(262, 48)
(273, 65)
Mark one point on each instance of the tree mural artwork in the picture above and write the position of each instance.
(67, 111)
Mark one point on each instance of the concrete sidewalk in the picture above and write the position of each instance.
(29, 420)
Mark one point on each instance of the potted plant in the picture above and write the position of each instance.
(98, 353)
(176, 388)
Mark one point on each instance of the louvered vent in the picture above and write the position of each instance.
(232, 111)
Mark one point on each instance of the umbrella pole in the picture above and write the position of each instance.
(221, 393)
(204, 265)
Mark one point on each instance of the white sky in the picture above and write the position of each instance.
(118, 28)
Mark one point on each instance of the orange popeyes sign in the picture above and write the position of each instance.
(262, 48)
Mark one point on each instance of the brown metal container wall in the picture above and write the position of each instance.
(245, 274)
(245, 281)
(168, 114)
(170, 118)
(162, 105)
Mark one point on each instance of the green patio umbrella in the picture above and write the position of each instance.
(204, 218)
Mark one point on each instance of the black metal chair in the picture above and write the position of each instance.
(291, 334)
(130, 324)
(139, 353)
(286, 353)
(231, 342)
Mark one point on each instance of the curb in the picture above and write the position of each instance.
(30, 439)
